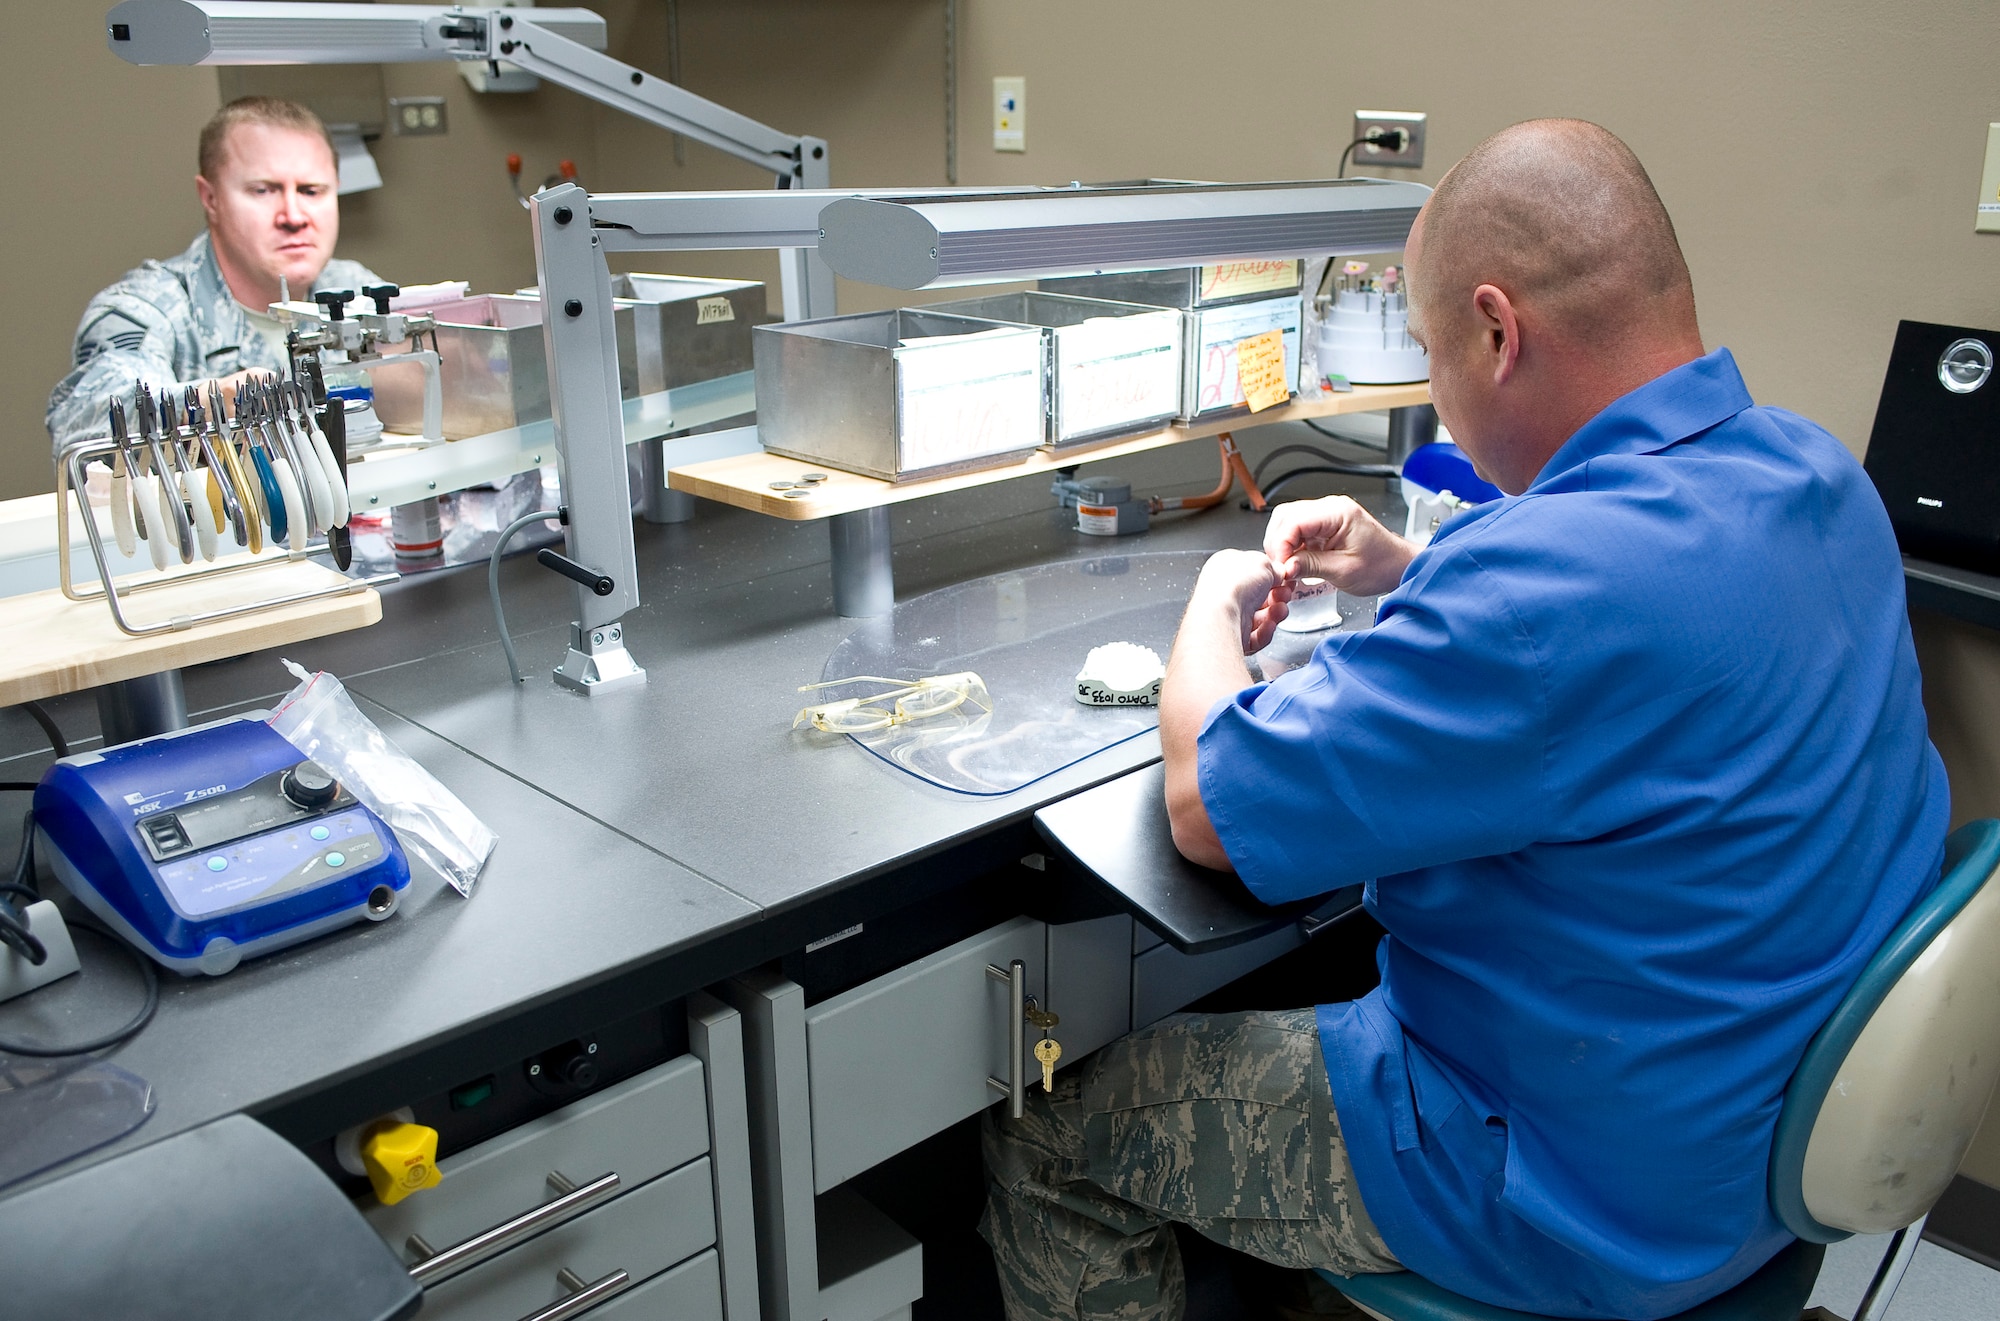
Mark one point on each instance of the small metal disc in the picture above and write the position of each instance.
(783, 486)
(812, 479)
(798, 495)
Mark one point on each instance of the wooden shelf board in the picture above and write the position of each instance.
(56, 645)
(745, 480)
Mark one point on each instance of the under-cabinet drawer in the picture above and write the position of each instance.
(637, 1129)
(1164, 979)
(908, 1054)
(691, 1291)
(642, 1234)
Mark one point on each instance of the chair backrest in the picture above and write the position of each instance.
(1891, 1091)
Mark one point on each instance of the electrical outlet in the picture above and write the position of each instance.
(416, 116)
(1010, 114)
(1370, 125)
(1987, 219)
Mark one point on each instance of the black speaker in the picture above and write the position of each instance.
(1934, 454)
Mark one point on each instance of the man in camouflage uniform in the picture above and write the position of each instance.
(1222, 1122)
(267, 183)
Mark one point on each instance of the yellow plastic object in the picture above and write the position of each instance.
(400, 1159)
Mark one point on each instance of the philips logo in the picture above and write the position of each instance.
(1929, 503)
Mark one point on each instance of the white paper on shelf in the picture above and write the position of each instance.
(1116, 370)
(968, 397)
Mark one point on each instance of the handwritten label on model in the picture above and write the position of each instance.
(1260, 367)
(710, 310)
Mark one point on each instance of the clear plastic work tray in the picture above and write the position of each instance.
(1025, 633)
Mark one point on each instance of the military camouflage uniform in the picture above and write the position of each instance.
(169, 323)
(1085, 1183)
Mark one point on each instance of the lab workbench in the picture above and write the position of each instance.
(653, 842)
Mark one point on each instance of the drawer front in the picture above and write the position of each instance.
(691, 1291)
(1090, 984)
(638, 1129)
(907, 1055)
(642, 1233)
(1164, 979)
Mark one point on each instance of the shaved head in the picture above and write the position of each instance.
(1559, 213)
(1545, 282)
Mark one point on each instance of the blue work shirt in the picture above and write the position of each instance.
(1640, 762)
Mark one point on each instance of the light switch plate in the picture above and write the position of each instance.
(1010, 114)
(416, 116)
(1987, 220)
(1370, 124)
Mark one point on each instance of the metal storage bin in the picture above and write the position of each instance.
(689, 328)
(1211, 385)
(1188, 287)
(1223, 304)
(901, 395)
(495, 366)
(1115, 367)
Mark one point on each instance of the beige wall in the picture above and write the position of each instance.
(1820, 157)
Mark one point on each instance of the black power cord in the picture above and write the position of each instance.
(15, 935)
(1395, 139)
(12, 925)
(1329, 464)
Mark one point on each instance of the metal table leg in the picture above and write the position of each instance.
(139, 708)
(864, 581)
(1409, 429)
(657, 504)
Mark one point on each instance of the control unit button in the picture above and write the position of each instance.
(319, 832)
(218, 864)
(309, 784)
(335, 859)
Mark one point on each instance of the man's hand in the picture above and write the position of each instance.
(1246, 584)
(1237, 602)
(1335, 539)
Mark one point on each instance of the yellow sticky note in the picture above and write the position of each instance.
(1260, 369)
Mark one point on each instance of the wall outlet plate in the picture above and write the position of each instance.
(1372, 124)
(1987, 219)
(416, 116)
(1010, 114)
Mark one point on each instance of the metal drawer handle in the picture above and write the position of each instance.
(582, 1297)
(1016, 1088)
(435, 1266)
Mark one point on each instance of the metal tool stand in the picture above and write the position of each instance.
(71, 482)
(864, 580)
(590, 435)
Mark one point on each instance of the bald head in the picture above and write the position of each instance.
(1561, 215)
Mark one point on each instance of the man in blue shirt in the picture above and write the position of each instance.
(1635, 769)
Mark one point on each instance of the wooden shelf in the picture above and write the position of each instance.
(56, 645)
(745, 480)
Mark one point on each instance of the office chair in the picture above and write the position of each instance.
(1875, 1120)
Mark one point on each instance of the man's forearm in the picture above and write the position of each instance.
(1206, 666)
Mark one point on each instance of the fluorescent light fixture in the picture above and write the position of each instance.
(277, 32)
(917, 242)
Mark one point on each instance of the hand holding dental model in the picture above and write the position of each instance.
(1240, 599)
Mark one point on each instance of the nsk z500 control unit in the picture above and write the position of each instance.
(215, 844)
(1935, 450)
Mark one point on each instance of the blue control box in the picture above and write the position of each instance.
(215, 844)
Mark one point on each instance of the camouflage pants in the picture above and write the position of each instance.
(1222, 1122)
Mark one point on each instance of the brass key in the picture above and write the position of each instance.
(1042, 1019)
(1048, 1050)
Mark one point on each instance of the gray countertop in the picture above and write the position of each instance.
(648, 839)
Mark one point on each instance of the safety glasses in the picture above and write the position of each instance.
(905, 701)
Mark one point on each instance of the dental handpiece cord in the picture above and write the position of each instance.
(493, 582)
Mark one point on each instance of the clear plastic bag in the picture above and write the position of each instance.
(321, 721)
